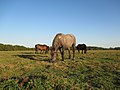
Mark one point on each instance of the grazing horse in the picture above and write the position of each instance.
(62, 42)
(41, 48)
(82, 47)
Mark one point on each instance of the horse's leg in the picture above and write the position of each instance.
(82, 51)
(36, 51)
(45, 51)
(40, 51)
(69, 53)
(73, 48)
(62, 53)
(85, 51)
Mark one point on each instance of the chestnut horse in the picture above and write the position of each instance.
(82, 47)
(41, 48)
(62, 42)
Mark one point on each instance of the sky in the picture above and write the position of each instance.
(29, 22)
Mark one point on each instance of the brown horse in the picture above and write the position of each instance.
(41, 48)
(82, 47)
(62, 42)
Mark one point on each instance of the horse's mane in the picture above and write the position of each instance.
(58, 34)
(55, 39)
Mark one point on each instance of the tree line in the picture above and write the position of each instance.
(7, 47)
(101, 48)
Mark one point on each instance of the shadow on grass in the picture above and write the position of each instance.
(32, 56)
(27, 52)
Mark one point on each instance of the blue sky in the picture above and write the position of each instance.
(28, 22)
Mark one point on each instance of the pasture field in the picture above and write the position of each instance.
(25, 70)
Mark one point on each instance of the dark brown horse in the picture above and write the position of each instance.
(42, 48)
(82, 47)
(62, 42)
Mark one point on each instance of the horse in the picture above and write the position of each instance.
(62, 42)
(82, 47)
(41, 48)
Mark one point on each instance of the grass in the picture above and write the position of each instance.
(96, 70)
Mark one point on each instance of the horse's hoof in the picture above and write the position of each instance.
(62, 59)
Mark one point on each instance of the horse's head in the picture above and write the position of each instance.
(53, 54)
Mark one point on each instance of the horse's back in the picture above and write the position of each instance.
(41, 47)
(65, 40)
(68, 40)
(81, 46)
(71, 38)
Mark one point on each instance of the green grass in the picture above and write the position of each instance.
(96, 70)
